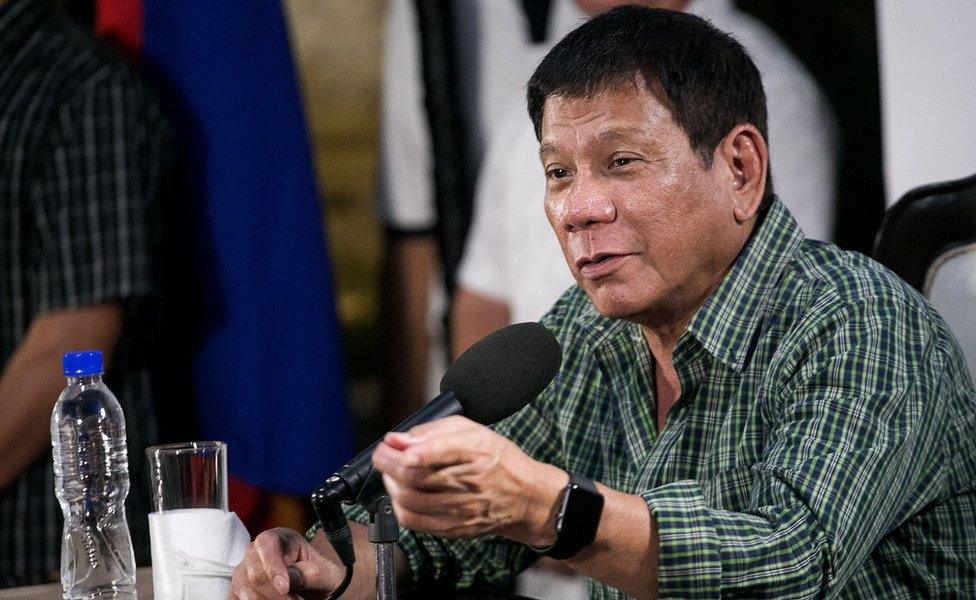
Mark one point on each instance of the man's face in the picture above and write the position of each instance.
(647, 231)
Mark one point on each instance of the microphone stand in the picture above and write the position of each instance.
(384, 533)
(383, 530)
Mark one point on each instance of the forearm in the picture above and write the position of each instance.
(625, 552)
(29, 387)
(473, 316)
(32, 379)
(407, 275)
(363, 584)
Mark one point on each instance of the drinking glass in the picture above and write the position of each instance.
(188, 475)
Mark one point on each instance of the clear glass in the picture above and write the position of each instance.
(91, 481)
(188, 475)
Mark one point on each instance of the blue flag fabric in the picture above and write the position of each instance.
(268, 374)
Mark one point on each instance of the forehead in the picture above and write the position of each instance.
(625, 109)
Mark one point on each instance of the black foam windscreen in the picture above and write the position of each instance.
(504, 371)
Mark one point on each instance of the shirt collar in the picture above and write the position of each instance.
(18, 20)
(727, 323)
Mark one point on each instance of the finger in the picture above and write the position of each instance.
(399, 440)
(444, 527)
(275, 548)
(407, 469)
(447, 426)
(427, 454)
(446, 503)
(460, 477)
(315, 575)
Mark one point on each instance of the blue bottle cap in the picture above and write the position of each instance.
(76, 364)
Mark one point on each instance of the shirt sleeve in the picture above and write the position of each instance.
(852, 450)
(404, 186)
(96, 195)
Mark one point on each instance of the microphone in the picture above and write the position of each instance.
(494, 378)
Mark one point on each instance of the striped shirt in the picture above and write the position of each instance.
(822, 445)
(80, 156)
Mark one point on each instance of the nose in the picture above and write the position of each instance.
(585, 204)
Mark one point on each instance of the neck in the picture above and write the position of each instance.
(662, 337)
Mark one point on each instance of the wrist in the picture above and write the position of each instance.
(544, 492)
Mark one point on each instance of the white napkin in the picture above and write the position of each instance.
(194, 552)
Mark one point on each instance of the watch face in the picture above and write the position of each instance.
(578, 518)
(583, 507)
(561, 515)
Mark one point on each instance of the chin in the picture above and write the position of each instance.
(617, 305)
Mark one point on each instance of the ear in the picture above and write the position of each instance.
(743, 157)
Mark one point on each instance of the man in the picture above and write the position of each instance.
(81, 167)
(765, 416)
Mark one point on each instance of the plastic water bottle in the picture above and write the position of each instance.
(91, 481)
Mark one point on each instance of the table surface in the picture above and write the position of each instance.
(52, 591)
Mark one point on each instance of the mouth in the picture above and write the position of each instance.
(599, 265)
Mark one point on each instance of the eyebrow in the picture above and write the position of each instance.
(546, 148)
(607, 135)
(620, 132)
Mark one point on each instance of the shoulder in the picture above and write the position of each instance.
(77, 70)
(833, 276)
(833, 302)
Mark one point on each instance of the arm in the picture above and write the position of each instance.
(407, 276)
(32, 380)
(457, 479)
(405, 198)
(92, 205)
(473, 316)
(280, 563)
(851, 451)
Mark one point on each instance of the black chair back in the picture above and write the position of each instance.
(924, 224)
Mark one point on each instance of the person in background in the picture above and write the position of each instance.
(83, 149)
(450, 70)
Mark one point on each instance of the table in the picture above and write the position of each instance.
(52, 591)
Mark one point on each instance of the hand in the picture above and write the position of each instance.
(458, 479)
(280, 563)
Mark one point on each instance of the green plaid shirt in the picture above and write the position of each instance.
(822, 445)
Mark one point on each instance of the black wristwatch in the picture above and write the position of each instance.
(577, 520)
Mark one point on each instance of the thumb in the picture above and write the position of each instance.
(315, 574)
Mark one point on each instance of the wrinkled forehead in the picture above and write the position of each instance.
(623, 89)
(625, 108)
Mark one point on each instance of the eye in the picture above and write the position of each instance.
(622, 161)
(556, 173)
